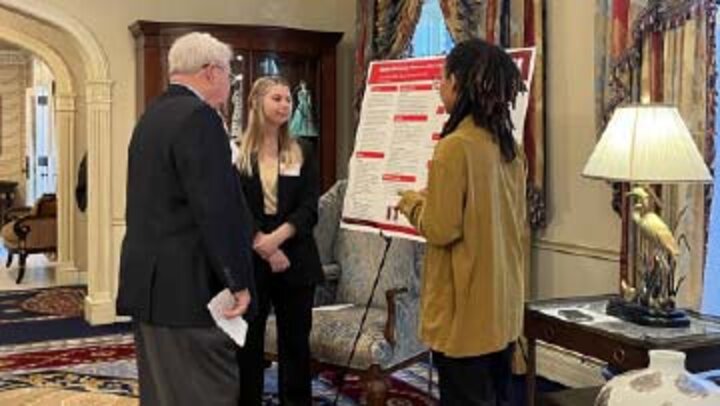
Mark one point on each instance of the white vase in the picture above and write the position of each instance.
(665, 382)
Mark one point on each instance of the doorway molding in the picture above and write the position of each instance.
(86, 94)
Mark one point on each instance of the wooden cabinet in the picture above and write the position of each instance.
(298, 55)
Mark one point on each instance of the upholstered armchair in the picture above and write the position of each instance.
(30, 231)
(389, 340)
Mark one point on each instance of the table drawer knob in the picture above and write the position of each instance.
(549, 333)
(619, 356)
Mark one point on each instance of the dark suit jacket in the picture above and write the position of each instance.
(297, 203)
(188, 227)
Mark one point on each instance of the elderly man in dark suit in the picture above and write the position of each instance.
(188, 234)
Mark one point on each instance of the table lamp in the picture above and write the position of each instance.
(648, 144)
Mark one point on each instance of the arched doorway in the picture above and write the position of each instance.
(83, 116)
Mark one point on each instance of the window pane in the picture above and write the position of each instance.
(711, 294)
(431, 35)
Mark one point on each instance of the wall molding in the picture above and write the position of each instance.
(96, 62)
(33, 42)
(578, 250)
(100, 309)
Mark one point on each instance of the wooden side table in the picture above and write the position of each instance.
(570, 397)
(621, 344)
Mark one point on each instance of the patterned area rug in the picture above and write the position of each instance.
(79, 371)
(98, 387)
(50, 356)
(66, 353)
(102, 371)
(41, 304)
(37, 315)
(407, 387)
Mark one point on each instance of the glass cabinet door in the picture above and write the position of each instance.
(235, 109)
(301, 73)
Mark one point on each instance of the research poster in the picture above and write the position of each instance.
(400, 123)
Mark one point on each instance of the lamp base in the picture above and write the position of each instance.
(645, 316)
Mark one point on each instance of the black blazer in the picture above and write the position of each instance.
(297, 203)
(188, 227)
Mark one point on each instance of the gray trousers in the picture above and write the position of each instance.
(186, 366)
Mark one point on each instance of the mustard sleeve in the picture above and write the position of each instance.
(410, 202)
(439, 216)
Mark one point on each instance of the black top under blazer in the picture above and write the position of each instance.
(188, 226)
(297, 203)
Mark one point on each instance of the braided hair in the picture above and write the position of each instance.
(487, 82)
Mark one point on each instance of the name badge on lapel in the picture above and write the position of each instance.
(289, 169)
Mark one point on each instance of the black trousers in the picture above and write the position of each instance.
(484, 380)
(293, 315)
(185, 366)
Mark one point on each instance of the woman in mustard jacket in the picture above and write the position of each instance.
(473, 218)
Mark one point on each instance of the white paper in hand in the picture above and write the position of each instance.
(236, 327)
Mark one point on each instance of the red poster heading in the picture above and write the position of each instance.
(426, 69)
(411, 70)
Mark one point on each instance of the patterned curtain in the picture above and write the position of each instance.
(615, 55)
(512, 24)
(384, 31)
(670, 58)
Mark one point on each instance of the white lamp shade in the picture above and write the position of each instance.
(647, 144)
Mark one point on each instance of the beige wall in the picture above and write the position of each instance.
(14, 78)
(577, 253)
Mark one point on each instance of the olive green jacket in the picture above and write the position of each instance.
(473, 216)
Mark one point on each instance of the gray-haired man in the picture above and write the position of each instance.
(188, 234)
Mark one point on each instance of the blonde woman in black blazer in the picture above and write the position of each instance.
(279, 177)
